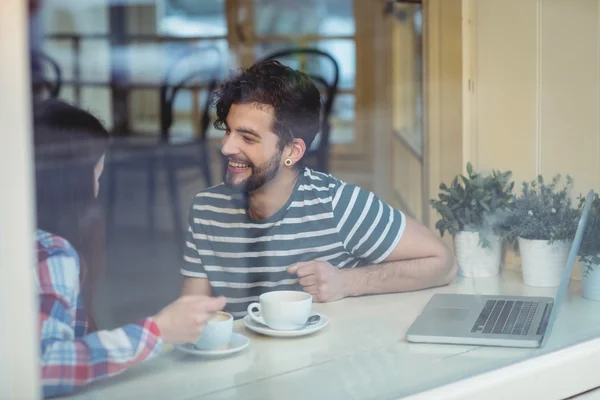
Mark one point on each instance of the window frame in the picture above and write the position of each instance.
(19, 343)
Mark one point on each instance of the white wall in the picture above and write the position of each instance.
(18, 308)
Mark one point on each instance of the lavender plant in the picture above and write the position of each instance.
(543, 211)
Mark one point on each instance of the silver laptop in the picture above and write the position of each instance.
(509, 321)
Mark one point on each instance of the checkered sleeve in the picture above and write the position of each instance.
(69, 361)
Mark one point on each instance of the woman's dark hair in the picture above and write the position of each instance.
(69, 142)
(295, 99)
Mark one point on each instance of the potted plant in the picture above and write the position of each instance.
(589, 252)
(468, 211)
(544, 222)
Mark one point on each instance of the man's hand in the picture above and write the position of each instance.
(321, 279)
(183, 320)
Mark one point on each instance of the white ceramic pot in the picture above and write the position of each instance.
(475, 261)
(542, 262)
(590, 280)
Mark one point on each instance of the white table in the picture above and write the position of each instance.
(361, 354)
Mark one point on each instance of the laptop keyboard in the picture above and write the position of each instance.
(506, 317)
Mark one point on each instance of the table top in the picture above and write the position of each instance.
(361, 354)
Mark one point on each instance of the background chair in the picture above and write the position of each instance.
(41, 63)
(168, 150)
(328, 87)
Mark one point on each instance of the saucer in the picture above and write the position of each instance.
(265, 330)
(236, 344)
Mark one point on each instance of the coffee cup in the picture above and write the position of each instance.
(282, 310)
(217, 332)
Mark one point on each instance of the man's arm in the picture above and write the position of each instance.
(196, 287)
(420, 260)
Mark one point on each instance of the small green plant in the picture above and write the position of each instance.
(589, 252)
(472, 202)
(543, 211)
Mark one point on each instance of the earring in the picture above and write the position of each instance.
(288, 162)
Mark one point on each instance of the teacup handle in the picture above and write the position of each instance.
(256, 318)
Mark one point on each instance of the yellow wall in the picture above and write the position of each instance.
(443, 156)
(405, 122)
(535, 106)
(570, 91)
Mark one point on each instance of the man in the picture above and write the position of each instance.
(274, 225)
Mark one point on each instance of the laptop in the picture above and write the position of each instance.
(508, 321)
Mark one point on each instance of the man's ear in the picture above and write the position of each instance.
(295, 151)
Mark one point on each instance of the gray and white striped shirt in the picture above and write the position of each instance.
(325, 219)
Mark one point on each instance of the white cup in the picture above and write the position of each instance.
(217, 332)
(282, 310)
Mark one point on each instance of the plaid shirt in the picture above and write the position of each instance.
(70, 358)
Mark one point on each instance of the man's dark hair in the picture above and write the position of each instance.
(295, 99)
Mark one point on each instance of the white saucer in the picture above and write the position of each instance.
(307, 330)
(238, 343)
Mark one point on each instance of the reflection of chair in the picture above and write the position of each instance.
(329, 87)
(168, 93)
(170, 151)
(39, 62)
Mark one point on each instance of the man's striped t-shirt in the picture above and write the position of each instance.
(324, 219)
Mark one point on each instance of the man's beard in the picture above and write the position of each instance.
(261, 175)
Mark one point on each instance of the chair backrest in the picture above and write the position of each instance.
(330, 87)
(170, 89)
(39, 61)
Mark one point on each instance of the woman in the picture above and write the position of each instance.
(69, 148)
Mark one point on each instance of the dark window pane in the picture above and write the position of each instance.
(343, 108)
(192, 18)
(309, 17)
(342, 50)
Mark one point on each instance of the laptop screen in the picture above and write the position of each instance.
(564, 282)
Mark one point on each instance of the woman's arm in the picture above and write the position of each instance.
(69, 361)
